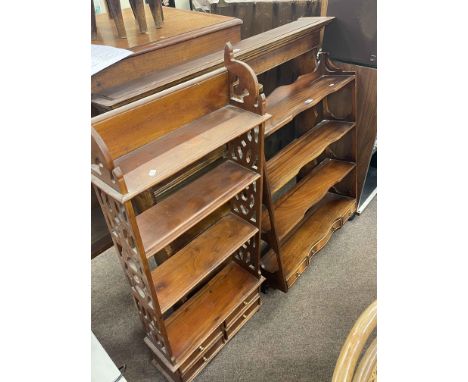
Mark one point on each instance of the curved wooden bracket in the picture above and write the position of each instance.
(102, 165)
(244, 89)
(326, 67)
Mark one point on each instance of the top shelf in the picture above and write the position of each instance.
(285, 102)
(158, 160)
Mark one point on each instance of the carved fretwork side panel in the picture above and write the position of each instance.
(247, 254)
(125, 243)
(244, 204)
(101, 162)
(247, 150)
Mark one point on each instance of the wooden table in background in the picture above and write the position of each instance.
(185, 35)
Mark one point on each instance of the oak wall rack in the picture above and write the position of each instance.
(194, 302)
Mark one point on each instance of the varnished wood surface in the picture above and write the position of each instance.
(285, 102)
(186, 145)
(185, 36)
(192, 323)
(262, 52)
(366, 89)
(166, 220)
(178, 23)
(199, 237)
(291, 208)
(193, 263)
(287, 163)
(312, 235)
(141, 122)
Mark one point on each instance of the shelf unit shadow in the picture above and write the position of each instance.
(192, 303)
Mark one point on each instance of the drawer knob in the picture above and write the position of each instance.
(201, 348)
(298, 274)
(246, 302)
(244, 316)
(205, 359)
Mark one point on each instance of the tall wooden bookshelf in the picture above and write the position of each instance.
(196, 300)
(310, 184)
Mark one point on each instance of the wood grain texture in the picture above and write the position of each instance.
(185, 145)
(262, 52)
(366, 89)
(139, 123)
(287, 163)
(186, 35)
(189, 326)
(166, 220)
(179, 24)
(313, 234)
(285, 102)
(291, 208)
(193, 263)
(202, 237)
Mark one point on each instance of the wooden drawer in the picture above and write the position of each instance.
(298, 272)
(202, 359)
(241, 308)
(243, 318)
(202, 349)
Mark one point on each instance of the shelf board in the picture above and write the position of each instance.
(183, 271)
(291, 208)
(287, 163)
(165, 221)
(312, 235)
(156, 161)
(188, 327)
(285, 102)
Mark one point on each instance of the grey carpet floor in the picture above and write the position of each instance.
(294, 337)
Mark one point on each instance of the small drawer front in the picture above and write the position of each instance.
(203, 359)
(298, 272)
(244, 317)
(242, 307)
(202, 349)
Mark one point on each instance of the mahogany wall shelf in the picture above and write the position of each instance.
(192, 303)
(310, 184)
(262, 52)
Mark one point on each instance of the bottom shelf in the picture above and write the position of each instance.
(312, 235)
(199, 318)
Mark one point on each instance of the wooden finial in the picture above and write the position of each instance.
(243, 84)
(228, 53)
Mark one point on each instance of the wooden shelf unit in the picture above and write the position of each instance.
(193, 302)
(309, 185)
